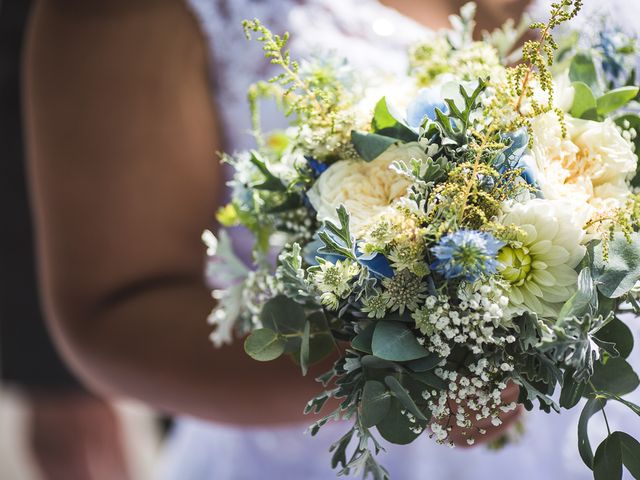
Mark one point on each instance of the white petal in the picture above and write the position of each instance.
(564, 275)
(540, 247)
(544, 278)
(532, 288)
(516, 295)
(556, 255)
(547, 229)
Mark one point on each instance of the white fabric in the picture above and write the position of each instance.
(369, 35)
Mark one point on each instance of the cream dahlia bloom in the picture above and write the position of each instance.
(540, 266)
(589, 168)
(366, 189)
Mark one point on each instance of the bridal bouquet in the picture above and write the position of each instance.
(467, 226)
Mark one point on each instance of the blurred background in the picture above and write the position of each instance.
(50, 426)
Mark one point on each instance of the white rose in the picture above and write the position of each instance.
(588, 168)
(366, 189)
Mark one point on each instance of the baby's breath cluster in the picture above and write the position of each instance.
(476, 319)
(470, 398)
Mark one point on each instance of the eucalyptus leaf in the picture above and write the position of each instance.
(426, 363)
(396, 427)
(615, 99)
(584, 300)
(607, 462)
(371, 145)
(285, 317)
(630, 453)
(362, 341)
(321, 342)
(616, 275)
(618, 333)
(592, 406)
(304, 348)
(584, 102)
(582, 69)
(376, 401)
(370, 361)
(429, 379)
(396, 342)
(615, 376)
(572, 391)
(403, 396)
(264, 345)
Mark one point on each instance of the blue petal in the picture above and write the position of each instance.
(425, 105)
(310, 252)
(377, 264)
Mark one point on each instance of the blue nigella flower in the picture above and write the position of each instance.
(466, 254)
(424, 106)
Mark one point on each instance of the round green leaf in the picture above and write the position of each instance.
(376, 401)
(286, 317)
(264, 345)
(362, 341)
(426, 363)
(403, 396)
(618, 333)
(582, 69)
(616, 99)
(607, 462)
(617, 274)
(371, 145)
(396, 427)
(630, 453)
(584, 101)
(616, 376)
(396, 342)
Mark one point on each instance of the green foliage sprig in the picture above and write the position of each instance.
(537, 59)
(275, 49)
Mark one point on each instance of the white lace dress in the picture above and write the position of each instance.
(369, 35)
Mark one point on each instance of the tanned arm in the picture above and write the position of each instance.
(122, 138)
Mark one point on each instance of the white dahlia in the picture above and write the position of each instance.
(366, 189)
(540, 266)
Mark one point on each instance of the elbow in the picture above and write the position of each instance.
(71, 327)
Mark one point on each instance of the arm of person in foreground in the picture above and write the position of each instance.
(122, 135)
(122, 141)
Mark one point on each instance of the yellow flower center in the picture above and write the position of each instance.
(515, 264)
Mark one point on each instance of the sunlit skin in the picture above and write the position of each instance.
(121, 134)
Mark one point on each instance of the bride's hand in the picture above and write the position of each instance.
(460, 436)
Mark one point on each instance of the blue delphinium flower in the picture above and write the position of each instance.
(466, 254)
(424, 106)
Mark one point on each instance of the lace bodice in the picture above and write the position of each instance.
(365, 32)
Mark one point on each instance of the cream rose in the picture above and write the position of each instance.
(366, 189)
(589, 168)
